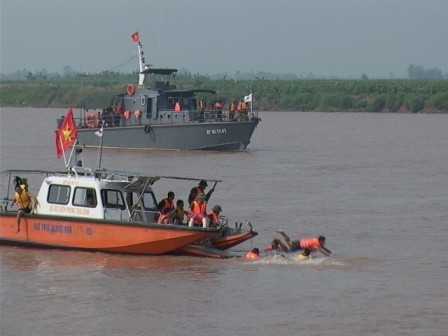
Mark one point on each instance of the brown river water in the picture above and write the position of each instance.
(376, 185)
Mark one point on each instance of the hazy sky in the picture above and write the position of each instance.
(325, 37)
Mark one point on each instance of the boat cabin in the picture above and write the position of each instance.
(100, 196)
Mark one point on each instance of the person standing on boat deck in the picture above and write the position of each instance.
(200, 189)
(118, 111)
(313, 244)
(215, 218)
(24, 201)
(232, 109)
(198, 212)
(178, 214)
(165, 206)
(218, 108)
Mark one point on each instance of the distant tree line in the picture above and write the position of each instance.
(419, 72)
(425, 90)
(414, 72)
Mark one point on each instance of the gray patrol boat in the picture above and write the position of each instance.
(163, 117)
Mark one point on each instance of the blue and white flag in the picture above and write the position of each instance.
(99, 133)
(248, 99)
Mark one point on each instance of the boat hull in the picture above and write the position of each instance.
(97, 235)
(226, 242)
(227, 136)
(204, 251)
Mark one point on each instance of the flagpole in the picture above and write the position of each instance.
(63, 152)
(100, 153)
(251, 104)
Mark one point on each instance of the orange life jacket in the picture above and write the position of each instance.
(162, 218)
(196, 191)
(199, 208)
(214, 218)
(310, 243)
(167, 206)
(23, 200)
(251, 255)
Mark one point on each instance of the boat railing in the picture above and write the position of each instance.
(4, 203)
(82, 171)
(148, 216)
(167, 117)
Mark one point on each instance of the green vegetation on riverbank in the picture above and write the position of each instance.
(95, 91)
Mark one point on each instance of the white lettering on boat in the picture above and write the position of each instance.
(69, 210)
(70, 182)
(216, 131)
(53, 228)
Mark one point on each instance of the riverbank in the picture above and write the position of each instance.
(395, 96)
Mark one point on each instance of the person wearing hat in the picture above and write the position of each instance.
(198, 214)
(200, 189)
(215, 218)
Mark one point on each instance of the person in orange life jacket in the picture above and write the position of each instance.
(232, 109)
(178, 214)
(165, 206)
(274, 247)
(313, 244)
(253, 254)
(198, 212)
(24, 201)
(215, 219)
(177, 107)
(200, 189)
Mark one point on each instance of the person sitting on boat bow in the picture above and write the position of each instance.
(198, 214)
(178, 214)
(25, 201)
(200, 189)
(165, 207)
(215, 218)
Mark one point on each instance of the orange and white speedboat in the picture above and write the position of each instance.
(101, 210)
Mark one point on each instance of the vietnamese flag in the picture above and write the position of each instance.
(135, 37)
(66, 134)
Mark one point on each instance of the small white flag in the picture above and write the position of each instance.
(99, 133)
(248, 99)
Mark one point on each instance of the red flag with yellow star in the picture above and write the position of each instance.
(66, 134)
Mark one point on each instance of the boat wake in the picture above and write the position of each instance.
(292, 260)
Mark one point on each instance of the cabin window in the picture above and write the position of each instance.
(85, 197)
(58, 194)
(149, 201)
(113, 199)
